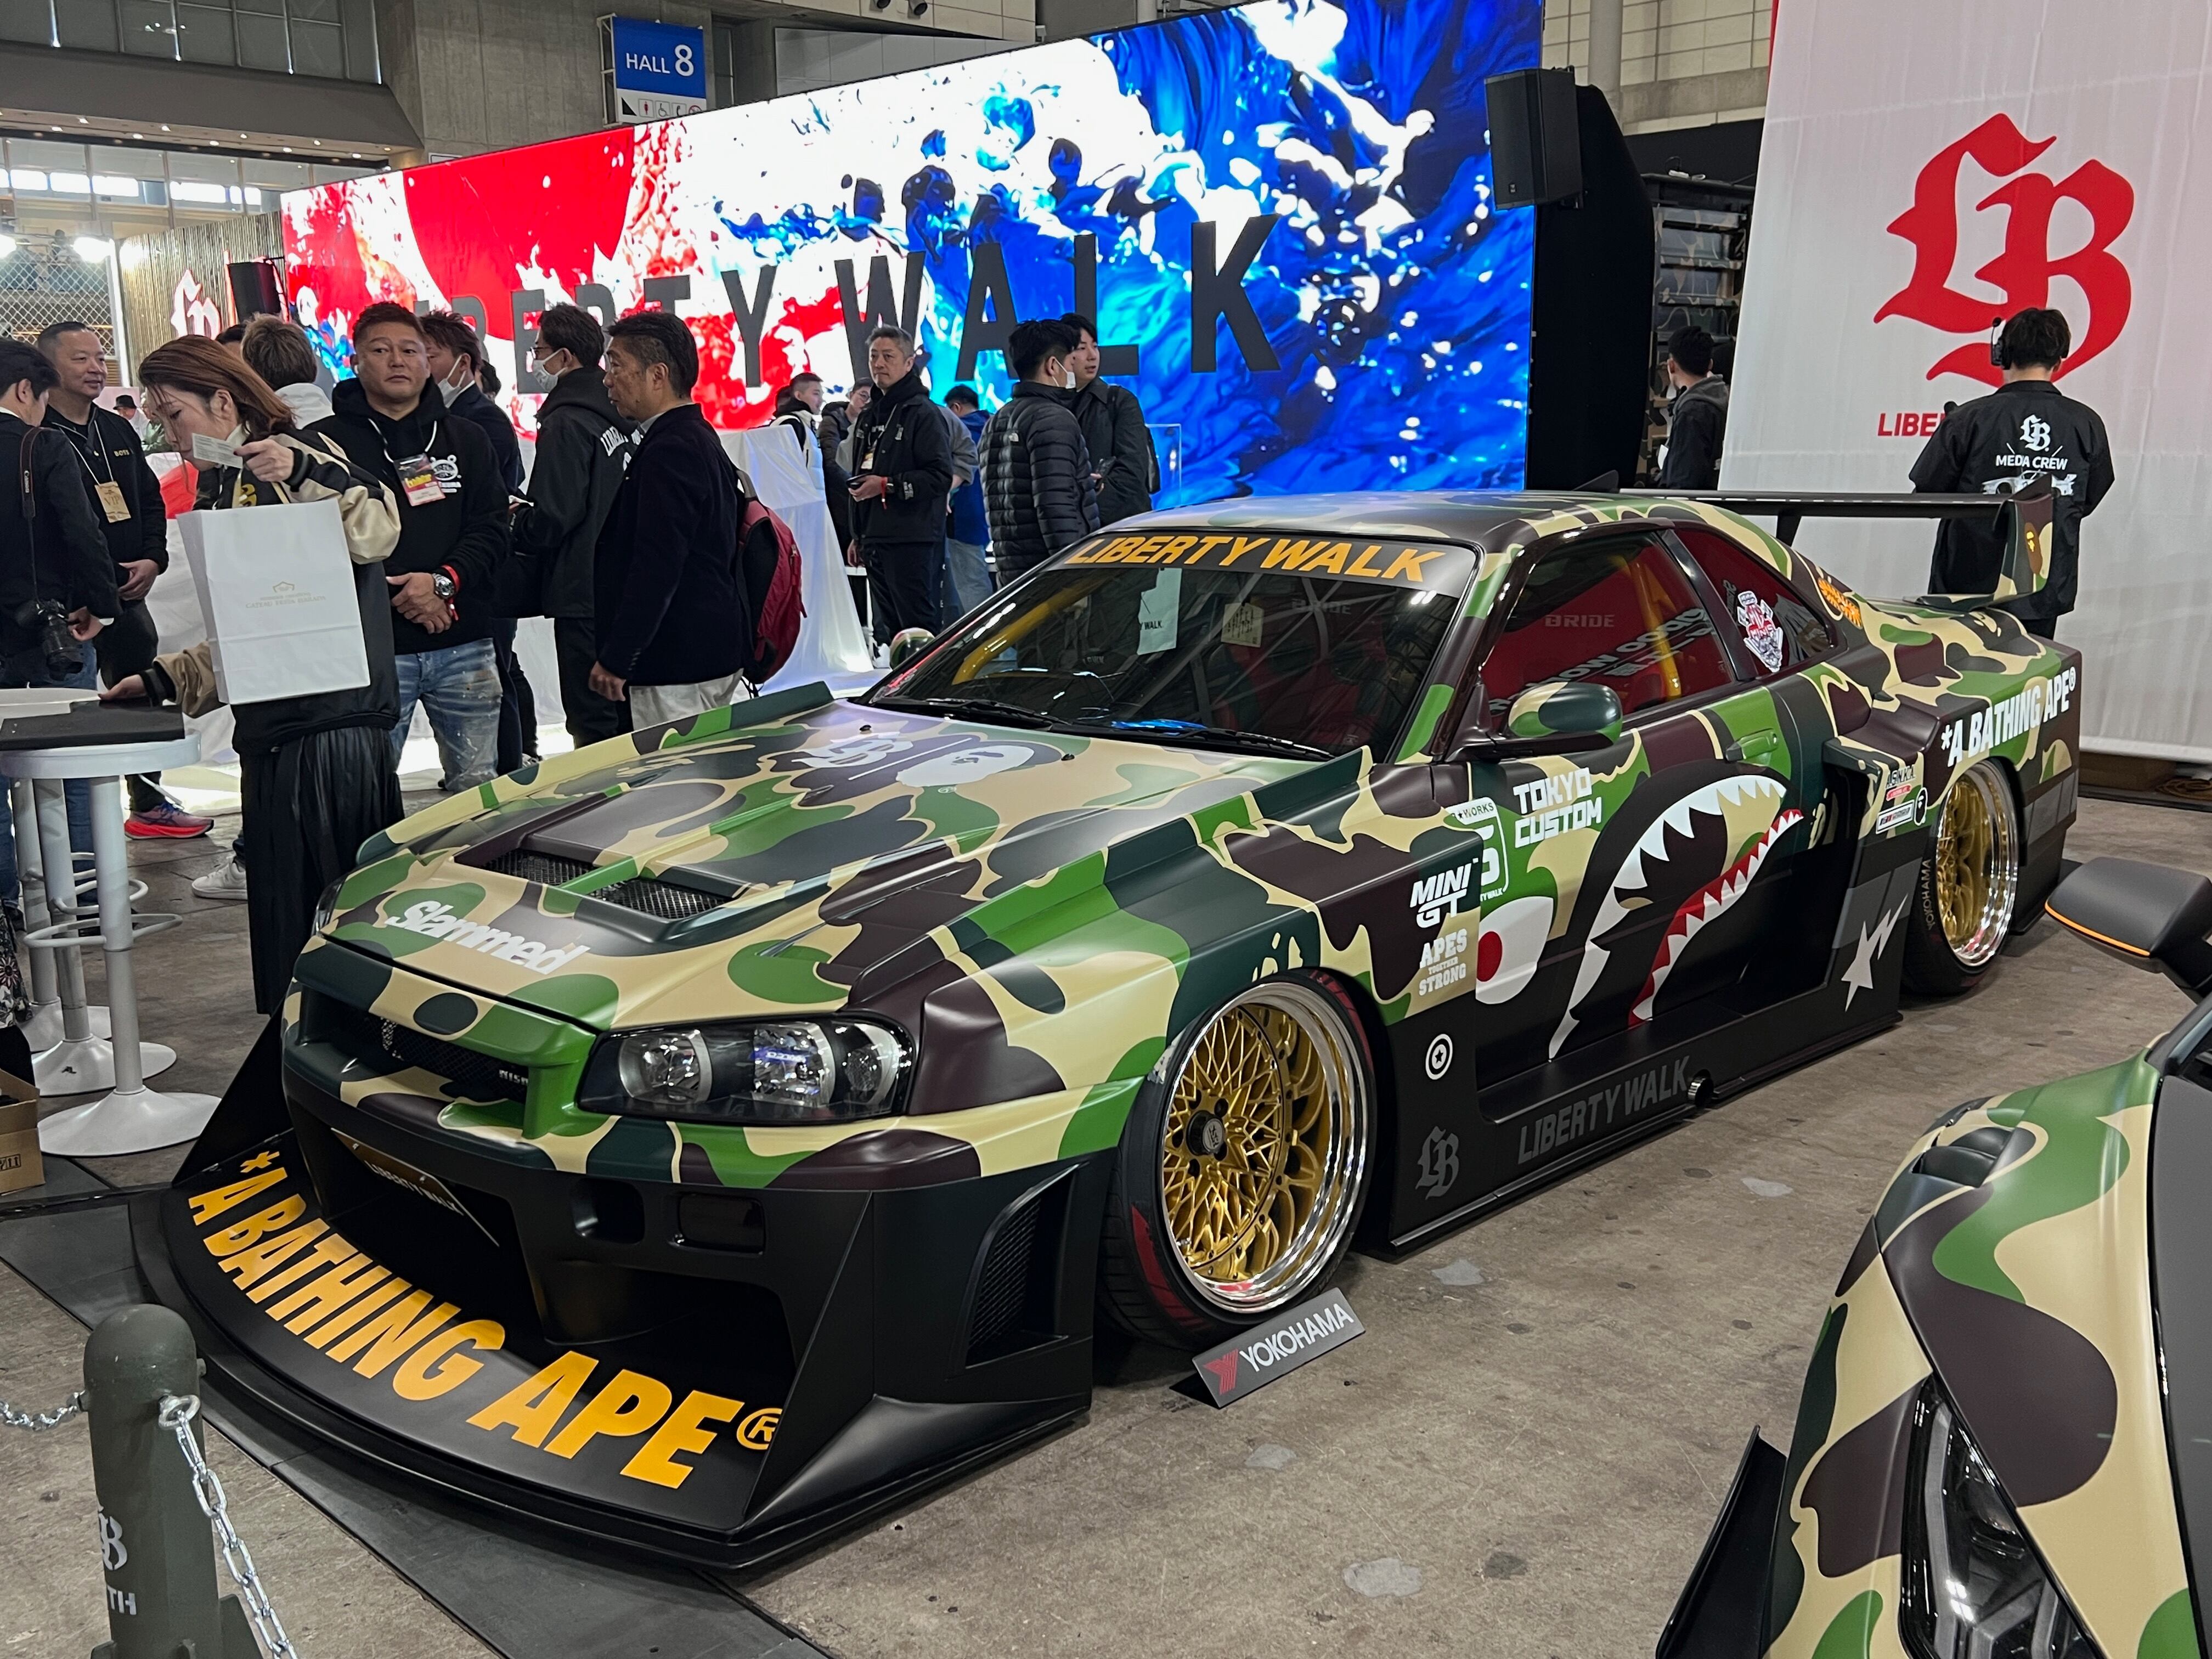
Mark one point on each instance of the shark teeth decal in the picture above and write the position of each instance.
(1712, 820)
(1707, 904)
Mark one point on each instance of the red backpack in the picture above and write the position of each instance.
(778, 603)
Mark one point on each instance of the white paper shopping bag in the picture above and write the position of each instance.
(278, 590)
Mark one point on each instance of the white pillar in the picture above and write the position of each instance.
(1605, 47)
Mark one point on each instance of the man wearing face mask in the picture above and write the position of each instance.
(1038, 490)
(457, 375)
(583, 448)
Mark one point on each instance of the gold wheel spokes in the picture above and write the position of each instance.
(1263, 1147)
(1976, 865)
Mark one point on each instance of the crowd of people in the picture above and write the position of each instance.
(633, 532)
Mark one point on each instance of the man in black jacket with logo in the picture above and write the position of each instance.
(1122, 464)
(126, 498)
(674, 622)
(1037, 492)
(453, 539)
(583, 446)
(901, 480)
(51, 552)
(2024, 430)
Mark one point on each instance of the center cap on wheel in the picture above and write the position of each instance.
(1206, 1134)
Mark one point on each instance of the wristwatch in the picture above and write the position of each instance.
(444, 586)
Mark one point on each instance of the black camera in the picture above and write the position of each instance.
(46, 618)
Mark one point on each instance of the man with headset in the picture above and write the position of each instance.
(2024, 430)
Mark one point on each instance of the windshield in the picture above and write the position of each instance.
(1208, 651)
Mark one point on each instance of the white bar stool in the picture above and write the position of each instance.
(133, 1118)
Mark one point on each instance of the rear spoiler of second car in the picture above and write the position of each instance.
(2024, 517)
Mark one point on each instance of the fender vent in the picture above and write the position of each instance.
(1011, 1305)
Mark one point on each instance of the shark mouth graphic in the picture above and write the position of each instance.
(1706, 904)
(1696, 860)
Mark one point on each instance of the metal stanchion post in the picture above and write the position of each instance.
(155, 1548)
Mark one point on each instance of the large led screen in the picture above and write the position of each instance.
(1280, 216)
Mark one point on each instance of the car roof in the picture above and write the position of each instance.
(1490, 520)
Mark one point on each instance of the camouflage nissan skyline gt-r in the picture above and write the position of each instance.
(708, 1135)
(2004, 1450)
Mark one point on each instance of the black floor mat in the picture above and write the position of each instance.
(531, 1597)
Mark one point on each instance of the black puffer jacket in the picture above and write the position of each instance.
(1038, 492)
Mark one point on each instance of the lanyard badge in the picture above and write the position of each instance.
(110, 501)
(418, 478)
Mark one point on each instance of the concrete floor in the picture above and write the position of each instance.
(1522, 1456)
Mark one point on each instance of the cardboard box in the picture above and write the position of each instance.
(21, 1166)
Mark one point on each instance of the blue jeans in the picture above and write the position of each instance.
(78, 792)
(967, 579)
(460, 688)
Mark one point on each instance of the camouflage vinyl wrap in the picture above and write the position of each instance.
(2028, 1298)
(1044, 914)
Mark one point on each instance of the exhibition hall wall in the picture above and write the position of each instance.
(1925, 168)
(1279, 215)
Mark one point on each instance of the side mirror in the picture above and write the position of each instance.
(1566, 709)
(1559, 717)
(909, 643)
(2149, 915)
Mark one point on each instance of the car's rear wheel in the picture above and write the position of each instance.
(1244, 1167)
(1969, 885)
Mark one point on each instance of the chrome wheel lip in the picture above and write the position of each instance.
(2001, 865)
(1295, 1272)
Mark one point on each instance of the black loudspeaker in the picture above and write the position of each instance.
(1591, 313)
(1535, 144)
(255, 290)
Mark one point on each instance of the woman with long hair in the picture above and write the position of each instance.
(316, 775)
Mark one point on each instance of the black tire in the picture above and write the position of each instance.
(1974, 859)
(1148, 1282)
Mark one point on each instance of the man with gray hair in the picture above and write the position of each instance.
(901, 479)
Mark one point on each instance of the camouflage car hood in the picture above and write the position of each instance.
(751, 871)
(2026, 1291)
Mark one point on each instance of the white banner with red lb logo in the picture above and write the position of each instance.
(1926, 168)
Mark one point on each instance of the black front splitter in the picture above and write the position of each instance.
(967, 1438)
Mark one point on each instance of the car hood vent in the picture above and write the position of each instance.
(649, 895)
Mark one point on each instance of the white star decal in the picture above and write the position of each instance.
(1859, 976)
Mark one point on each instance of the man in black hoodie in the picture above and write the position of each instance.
(675, 627)
(453, 539)
(901, 480)
(1037, 492)
(583, 446)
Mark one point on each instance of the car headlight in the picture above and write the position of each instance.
(759, 1072)
(1973, 1586)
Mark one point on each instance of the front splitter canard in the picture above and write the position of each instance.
(423, 1368)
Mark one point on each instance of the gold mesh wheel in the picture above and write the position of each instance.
(1976, 865)
(1264, 1148)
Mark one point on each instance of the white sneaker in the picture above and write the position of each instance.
(226, 881)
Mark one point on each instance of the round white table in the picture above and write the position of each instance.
(131, 1118)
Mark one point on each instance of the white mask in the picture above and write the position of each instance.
(449, 390)
(545, 365)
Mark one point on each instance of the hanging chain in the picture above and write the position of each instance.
(176, 1415)
(40, 1422)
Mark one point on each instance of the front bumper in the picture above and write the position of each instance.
(709, 1372)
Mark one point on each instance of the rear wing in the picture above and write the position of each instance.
(2023, 519)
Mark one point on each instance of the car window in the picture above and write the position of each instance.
(1779, 631)
(1332, 663)
(1618, 611)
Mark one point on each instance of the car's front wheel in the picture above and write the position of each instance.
(1244, 1167)
(1962, 912)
